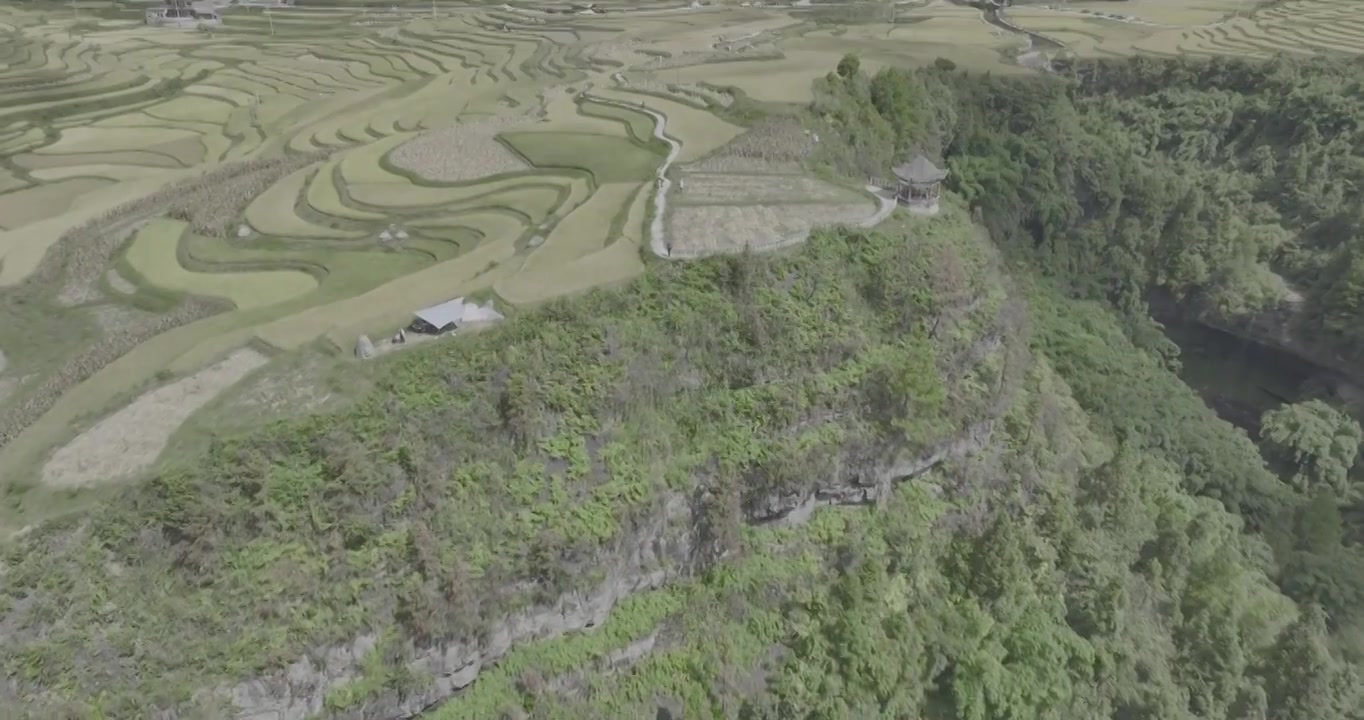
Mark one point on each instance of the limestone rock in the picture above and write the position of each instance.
(364, 349)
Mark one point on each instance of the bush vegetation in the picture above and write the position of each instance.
(493, 473)
(1223, 181)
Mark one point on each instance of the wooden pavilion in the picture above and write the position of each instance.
(918, 184)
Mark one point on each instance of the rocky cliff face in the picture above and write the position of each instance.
(677, 540)
(1282, 328)
(659, 552)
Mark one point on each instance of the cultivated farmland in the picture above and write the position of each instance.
(175, 200)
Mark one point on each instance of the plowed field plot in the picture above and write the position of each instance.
(130, 440)
(733, 189)
(697, 230)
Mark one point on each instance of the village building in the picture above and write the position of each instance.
(918, 185)
(438, 319)
(183, 14)
(447, 316)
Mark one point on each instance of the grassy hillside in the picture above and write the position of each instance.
(490, 474)
(1058, 569)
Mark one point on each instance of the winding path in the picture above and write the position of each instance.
(658, 241)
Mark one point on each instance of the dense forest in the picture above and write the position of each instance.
(1232, 185)
(1227, 182)
(944, 469)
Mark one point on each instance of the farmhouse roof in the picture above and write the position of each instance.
(458, 311)
(920, 170)
(439, 316)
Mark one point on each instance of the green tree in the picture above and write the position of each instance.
(1320, 442)
(849, 66)
(1301, 678)
(1343, 303)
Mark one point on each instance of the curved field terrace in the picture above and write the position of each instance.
(173, 201)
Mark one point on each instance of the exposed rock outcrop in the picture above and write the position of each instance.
(670, 542)
(364, 348)
(657, 553)
(1282, 328)
(861, 490)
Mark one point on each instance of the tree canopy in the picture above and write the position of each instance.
(1319, 443)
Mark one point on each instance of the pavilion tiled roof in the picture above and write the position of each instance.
(920, 170)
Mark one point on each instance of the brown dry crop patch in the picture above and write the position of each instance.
(689, 58)
(131, 439)
(211, 203)
(696, 230)
(741, 166)
(214, 206)
(127, 336)
(726, 188)
(776, 144)
(692, 93)
(459, 153)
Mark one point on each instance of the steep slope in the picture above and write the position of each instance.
(832, 483)
(582, 451)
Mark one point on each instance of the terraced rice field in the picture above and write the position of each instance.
(1213, 27)
(288, 181)
(590, 228)
(154, 252)
(920, 36)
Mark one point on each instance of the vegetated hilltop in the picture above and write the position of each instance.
(667, 448)
(1230, 183)
(494, 475)
(1218, 180)
(1214, 182)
